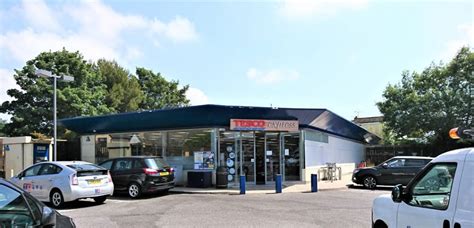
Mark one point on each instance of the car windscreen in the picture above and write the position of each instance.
(88, 169)
(14, 211)
(156, 163)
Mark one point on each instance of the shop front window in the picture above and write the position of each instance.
(191, 149)
(128, 144)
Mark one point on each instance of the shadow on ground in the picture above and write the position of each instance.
(84, 203)
(381, 188)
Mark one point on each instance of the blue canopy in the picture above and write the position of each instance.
(210, 116)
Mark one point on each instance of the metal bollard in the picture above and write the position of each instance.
(278, 183)
(242, 184)
(314, 182)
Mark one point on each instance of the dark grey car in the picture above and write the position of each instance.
(396, 170)
(20, 209)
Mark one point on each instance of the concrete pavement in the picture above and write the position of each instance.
(288, 187)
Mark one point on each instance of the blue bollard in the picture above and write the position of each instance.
(242, 184)
(314, 182)
(278, 183)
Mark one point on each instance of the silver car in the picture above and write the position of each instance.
(64, 181)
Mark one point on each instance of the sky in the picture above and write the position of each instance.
(339, 55)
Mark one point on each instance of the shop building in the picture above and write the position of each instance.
(258, 142)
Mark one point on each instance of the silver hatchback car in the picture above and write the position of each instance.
(64, 181)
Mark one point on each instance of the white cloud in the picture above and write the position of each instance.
(179, 29)
(307, 8)
(91, 27)
(271, 76)
(197, 96)
(8, 82)
(453, 46)
(39, 15)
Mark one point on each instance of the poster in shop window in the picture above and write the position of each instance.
(204, 160)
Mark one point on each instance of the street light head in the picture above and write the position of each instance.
(67, 78)
(43, 73)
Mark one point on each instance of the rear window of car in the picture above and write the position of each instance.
(416, 162)
(156, 163)
(79, 167)
(88, 169)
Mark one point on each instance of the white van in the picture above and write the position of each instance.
(441, 195)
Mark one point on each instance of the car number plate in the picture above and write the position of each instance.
(164, 173)
(94, 182)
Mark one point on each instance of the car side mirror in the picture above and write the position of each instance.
(397, 193)
(49, 217)
(384, 165)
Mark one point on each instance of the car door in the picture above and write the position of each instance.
(28, 180)
(431, 201)
(391, 172)
(412, 167)
(48, 175)
(120, 173)
(465, 202)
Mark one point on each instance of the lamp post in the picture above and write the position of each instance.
(49, 74)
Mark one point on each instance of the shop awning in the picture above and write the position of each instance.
(209, 116)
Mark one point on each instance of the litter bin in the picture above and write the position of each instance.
(221, 177)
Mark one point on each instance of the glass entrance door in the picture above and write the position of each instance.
(291, 156)
(272, 156)
(247, 146)
(260, 157)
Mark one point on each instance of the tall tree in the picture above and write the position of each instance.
(426, 105)
(2, 127)
(31, 108)
(160, 93)
(124, 93)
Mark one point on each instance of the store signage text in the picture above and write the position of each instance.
(263, 125)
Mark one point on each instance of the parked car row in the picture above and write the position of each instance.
(65, 181)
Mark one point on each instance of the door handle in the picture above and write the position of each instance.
(445, 224)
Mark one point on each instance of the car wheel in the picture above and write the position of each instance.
(56, 198)
(134, 190)
(100, 199)
(370, 182)
(379, 224)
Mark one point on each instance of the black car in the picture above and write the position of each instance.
(396, 170)
(139, 174)
(19, 209)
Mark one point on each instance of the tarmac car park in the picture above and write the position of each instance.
(65, 181)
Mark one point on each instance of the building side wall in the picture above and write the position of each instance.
(345, 153)
(88, 148)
